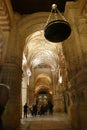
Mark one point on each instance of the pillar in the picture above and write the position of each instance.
(11, 75)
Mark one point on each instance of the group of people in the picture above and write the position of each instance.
(38, 109)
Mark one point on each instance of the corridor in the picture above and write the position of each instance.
(57, 121)
(35, 69)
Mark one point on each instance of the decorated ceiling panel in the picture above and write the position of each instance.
(40, 51)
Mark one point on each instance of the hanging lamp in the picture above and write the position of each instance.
(56, 30)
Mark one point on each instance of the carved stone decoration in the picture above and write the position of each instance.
(2, 43)
(58, 103)
(84, 9)
(73, 98)
(68, 100)
(81, 97)
(82, 25)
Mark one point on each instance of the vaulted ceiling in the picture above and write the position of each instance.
(43, 56)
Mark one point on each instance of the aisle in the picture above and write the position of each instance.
(49, 122)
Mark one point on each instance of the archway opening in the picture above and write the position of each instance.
(43, 65)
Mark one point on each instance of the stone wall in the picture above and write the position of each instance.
(75, 49)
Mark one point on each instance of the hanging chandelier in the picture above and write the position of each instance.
(57, 29)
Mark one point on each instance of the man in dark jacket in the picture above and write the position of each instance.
(1, 112)
(25, 110)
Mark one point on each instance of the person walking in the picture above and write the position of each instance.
(25, 110)
(50, 108)
(1, 112)
(34, 107)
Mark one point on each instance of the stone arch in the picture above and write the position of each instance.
(5, 23)
(2, 46)
(43, 81)
(36, 45)
(43, 76)
(84, 8)
(25, 27)
(46, 87)
(30, 24)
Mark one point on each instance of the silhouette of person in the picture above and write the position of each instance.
(50, 108)
(4, 96)
(34, 109)
(25, 110)
(1, 112)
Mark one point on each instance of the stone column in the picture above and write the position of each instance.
(82, 98)
(31, 96)
(31, 88)
(78, 105)
(27, 91)
(57, 98)
(11, 75)
(53, 83)
(58, 103)
(76, 57)
(54, 92)
(73, 108)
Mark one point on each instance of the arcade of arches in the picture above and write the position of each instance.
(38, 70)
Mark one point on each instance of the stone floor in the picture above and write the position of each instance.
(56, 121)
